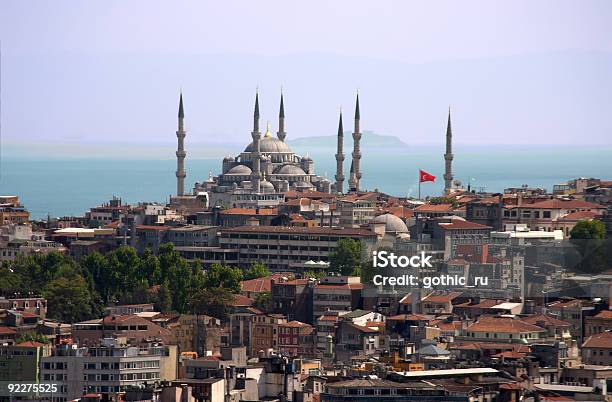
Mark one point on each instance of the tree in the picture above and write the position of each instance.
(593, 229)
(347, 256)
(444, 200)
(595, 251)
(257, 270)
(223, 276)
(163, 302)
(214, 302)
(32, 336)
(68, 299)
(263, 301)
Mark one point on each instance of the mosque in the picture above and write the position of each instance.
(267, 168)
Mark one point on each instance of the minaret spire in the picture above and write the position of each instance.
(448, 156)
(281, 120)
(180, 151)
(256, 153)
(340, 157)
(354, 186)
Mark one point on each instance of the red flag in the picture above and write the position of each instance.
(424, 176)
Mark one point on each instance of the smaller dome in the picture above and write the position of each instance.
(291, 169)
(307, 158)
(393, 224)
(240, 170)
(228, 158)
(303, 184)
(266, 187)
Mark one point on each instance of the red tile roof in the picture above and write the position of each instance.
(249, 211)
(7, 331)
(259, 285)
(605, 314)
(409, 317)
(563, 204)
(545, 321)
(29, 344)
(441, 298)
(510, 355)
(400, 211)
(242, 301)
(496, 324)
(457, 224)
(580, 216)
(434, 208)
(599, 341)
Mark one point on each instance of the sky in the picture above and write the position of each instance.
(100, 76)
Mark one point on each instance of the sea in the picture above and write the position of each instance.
(70, 186)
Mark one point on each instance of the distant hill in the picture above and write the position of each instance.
(369, 140)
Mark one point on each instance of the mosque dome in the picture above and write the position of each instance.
(291, 170)
(228, 158)
(307, 158)
(269, 143)
(240, 170)
(266, 187)
(393, 224)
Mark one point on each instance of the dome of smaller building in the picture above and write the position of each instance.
(228, 158)
(291, 169)
(240, 170)
(393, 224)
(307, 158)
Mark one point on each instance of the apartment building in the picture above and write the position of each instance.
(107, 368)
(280, 246)
(356, 209)
(339, 294)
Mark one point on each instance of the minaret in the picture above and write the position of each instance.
(281, 121)
(352, 178)
(356, 148)
(448, 157)
(256, 155)
(180, 151)
(340, 158)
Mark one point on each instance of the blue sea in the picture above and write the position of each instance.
(72, 186)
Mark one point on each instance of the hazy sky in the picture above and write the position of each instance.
(103, 72)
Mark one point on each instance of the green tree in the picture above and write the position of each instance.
(68, 299)
(163, 302)
(263, 301)
(32, 336)
(594, 250)
(223, 276)
(314, 274)
(593, 229)
(257, 270)
(346, 258)
(444, 200)
(215, 302)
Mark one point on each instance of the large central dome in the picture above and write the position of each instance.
(269, 144)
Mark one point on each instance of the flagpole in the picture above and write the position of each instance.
(419, 186)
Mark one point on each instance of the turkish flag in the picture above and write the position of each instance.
(424, 176)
